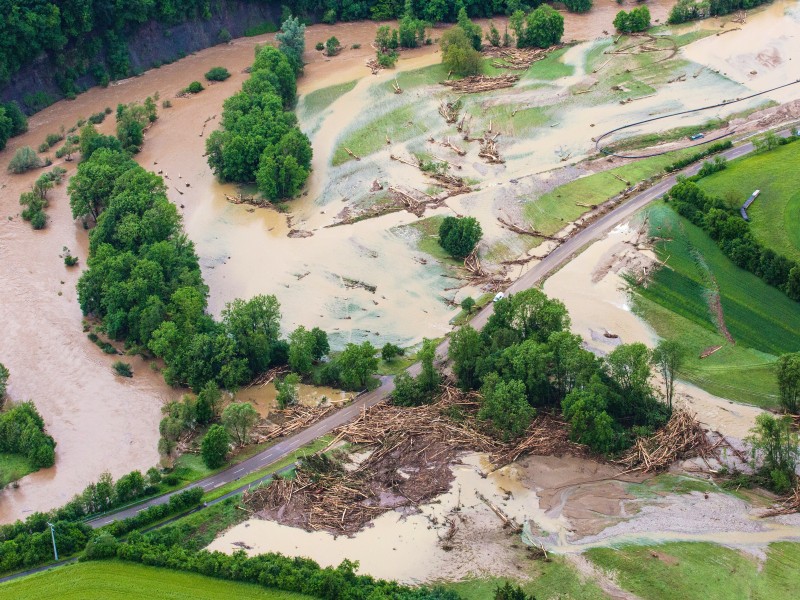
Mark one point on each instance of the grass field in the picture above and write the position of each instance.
(775, 215)
(116, 581)
(318, 100)
(549, 68)
(685, 571)
(399, 124)
(13, 467)
(555, 579)
(554, 210)
(762, 320)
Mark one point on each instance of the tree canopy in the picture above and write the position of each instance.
(459, 235)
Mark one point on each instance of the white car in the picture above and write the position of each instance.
(498, 296)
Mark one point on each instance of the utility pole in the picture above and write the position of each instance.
(53, 536)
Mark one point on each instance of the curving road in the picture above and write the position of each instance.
(533, 277)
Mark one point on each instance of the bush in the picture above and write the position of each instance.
(390, 352)
(123, 369)
(24, 160)
(53, 138)
(43, 147)
(215, 446)
(193, 88)
(97, 118)
(70, 260)
(101, 546)
(459, 235)
(217, 74)
(356, 46)
(319, 46)
(166, 104)
(332, 46)
(224, 36)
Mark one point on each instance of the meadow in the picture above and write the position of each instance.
(775, 215)
(684, 571)
(762, 320)
(112, 580)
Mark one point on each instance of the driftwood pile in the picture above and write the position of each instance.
(516, 59)
(488, 150)
(410, 450)
(374, 66)
(682, 437)
(526, 231)
(481, 83)
(478, 276)
(547, 435)
(790, 505)
(450, 110)
(295, 418)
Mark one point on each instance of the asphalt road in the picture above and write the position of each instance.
(533, 277)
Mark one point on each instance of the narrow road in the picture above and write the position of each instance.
(533, 277)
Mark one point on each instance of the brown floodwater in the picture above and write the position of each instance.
(102, 422)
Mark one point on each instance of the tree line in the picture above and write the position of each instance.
(88, 38)
(732, 233)
(259, 140)
(691, 10)
(12, 122)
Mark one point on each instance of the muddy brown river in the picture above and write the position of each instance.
(102, 422)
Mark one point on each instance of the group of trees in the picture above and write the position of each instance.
(525, 358)
(36, 200)
(22, 432)
(690, 10)
(12, 122)
(260, 140)
(459, 235)
(775, 449)
(541, 28)
(132, 120)
(638, 19)
(460, 47)
(734, 238)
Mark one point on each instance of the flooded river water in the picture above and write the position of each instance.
(102, 422)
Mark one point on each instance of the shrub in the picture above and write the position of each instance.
(356, 46)
(97, 118)
(53, 138)
(43, 147)
(332, 46)
(391, 351)
(102, 546)
(215, 446)
(194, 88)
(320, 46)
(69, 260)
(166, 104)
(217, 74)
(24, 160)
(224, 36)
(123, 369)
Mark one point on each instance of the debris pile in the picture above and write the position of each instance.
(488, 150)
(789, 506)
(409, 453)
(481, 83)
(516, 59)
(682, 437)
(295, 418)
(547, 435)
(450, 110)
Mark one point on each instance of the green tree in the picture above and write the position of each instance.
(459, 235)
(254, 327)
(292, 42)
(214, 447)
(506, 406)
(321, 344)
(629, 366)
(239, 418)
(24, 159)
(91, 187)
(788, 382)
(287, 390)
(332, 46)
(217, 74)
(357, 363)
(590, 423)
(390, 351)
(407, 391)
(4, 374)
(493, 35)
(6, 127)
(429, 377)
(208, 401)
(301, 350)
(517, 24)
(470, 29)
(510, 592)
(528, 314)
(129, 487)
(775, 450)
(578, 6)
(458, 55)
(668, 357)
(411, 31)
(543, 28)
(91, 140)
(465, 352)
(468, 304)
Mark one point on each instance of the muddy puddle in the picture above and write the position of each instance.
(264, 397)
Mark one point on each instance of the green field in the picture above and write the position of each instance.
(553, 579)
(318, 100)
(775, 215)
(115, 580)
(400, 124)
(553, 210)
(763, 321)
(549, 68)
(13, 467)
(685, 571)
